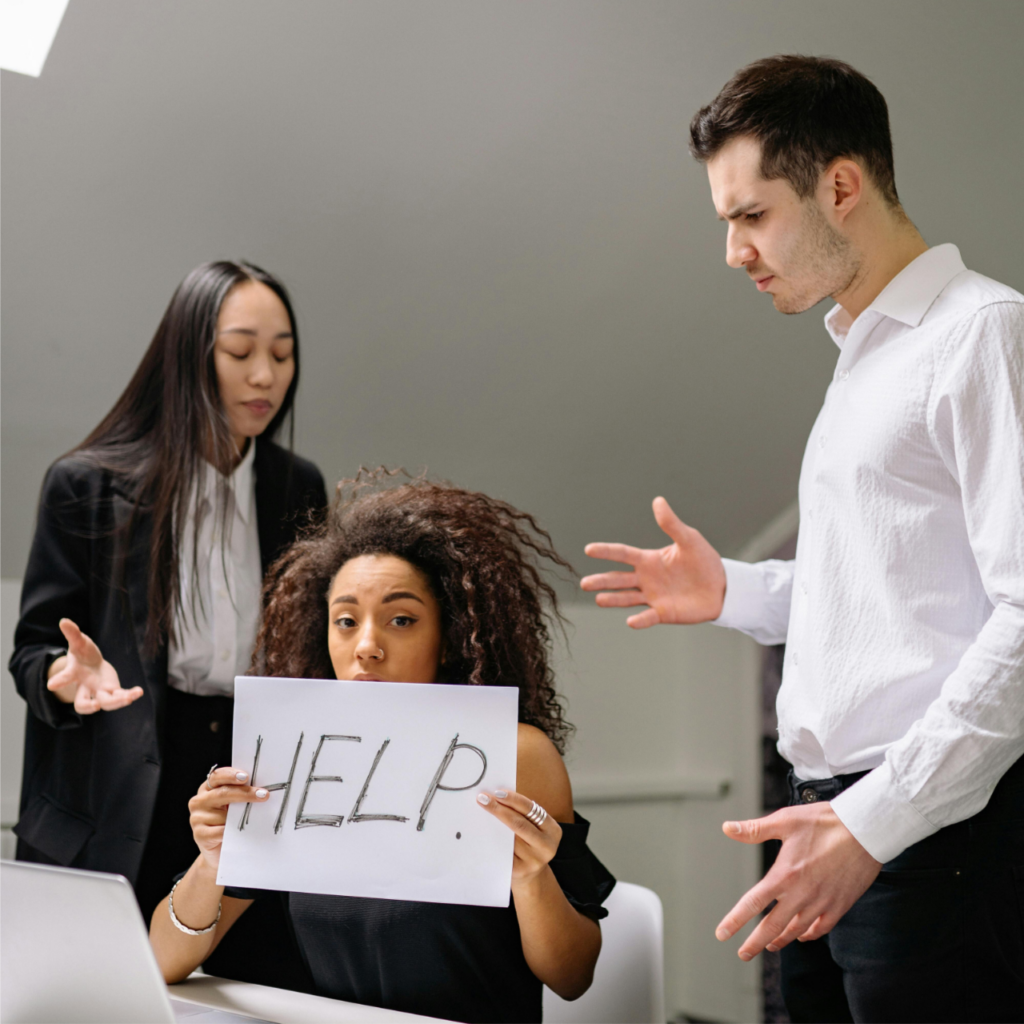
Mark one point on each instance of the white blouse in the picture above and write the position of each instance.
(216, 644)
(903, 613)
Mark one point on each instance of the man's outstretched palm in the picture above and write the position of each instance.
(681, 583)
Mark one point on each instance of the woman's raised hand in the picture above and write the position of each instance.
(84, 678)
(535, 844)
(208, 809)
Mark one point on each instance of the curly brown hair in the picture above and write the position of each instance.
(482, 558)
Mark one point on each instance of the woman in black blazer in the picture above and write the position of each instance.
(143, 559)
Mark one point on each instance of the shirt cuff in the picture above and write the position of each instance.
(744, 595)
(880, 819)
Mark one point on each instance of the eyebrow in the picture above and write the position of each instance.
(398, 595)
(738, 211)
(252, 333)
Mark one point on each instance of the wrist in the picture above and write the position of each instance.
(532, 886)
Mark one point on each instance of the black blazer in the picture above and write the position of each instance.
(90, 781)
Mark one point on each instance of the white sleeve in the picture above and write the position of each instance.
(757, 598)
(947, 765)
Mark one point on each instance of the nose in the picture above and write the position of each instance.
(738, 250)
(369, 648)
(261, 371)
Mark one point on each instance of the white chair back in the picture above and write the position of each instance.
(629, 980)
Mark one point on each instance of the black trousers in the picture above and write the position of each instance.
(260, 947)
(939, 936)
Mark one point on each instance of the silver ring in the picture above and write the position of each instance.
(209, 773)
(537, 815)
(379, 656)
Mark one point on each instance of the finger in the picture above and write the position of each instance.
(822, 926)
(219, 796)
(614, 553)
(774, 932)
(516, 821)
(523, 804)
(757, 830)
(225, 775)
(669, 522)
(644, 620)
(112, 700)
(620, 599)
(78, 643)
(610, 581)
(85, 703)
(749, 906)
(60, 679)
(796, 927)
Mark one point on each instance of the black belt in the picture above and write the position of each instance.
(810, 791)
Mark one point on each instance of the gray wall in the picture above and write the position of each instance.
(506, 266)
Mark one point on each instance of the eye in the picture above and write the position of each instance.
(754, 216)
(403, 621)
(344, 622)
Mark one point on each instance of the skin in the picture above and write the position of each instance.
(385, 625)
(253, 355)
(845, 242)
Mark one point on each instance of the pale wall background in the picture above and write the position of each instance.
(506, 266)
(508, 270)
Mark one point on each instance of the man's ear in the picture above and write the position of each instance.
(842, 187)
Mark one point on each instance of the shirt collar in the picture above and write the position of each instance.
(241, 482)
(909, 295)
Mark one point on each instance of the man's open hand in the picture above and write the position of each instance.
(682, 583)
(820, 872)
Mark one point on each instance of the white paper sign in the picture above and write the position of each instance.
(373, 789)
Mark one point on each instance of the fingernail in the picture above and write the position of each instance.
(241, 776)
(722, 934)
(261, 794)
(733, 828)
(746, 956)
(772, 948)
(483, 798)
(500, 794)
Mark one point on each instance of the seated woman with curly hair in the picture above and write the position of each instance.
(421, 583)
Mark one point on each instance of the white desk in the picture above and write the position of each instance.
(279, 1005)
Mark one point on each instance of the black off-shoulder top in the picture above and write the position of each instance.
(457, 962)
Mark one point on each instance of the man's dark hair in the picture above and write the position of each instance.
(805, 112)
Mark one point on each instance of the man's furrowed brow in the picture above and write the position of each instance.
(738, 211)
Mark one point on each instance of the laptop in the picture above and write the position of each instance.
(74, 947)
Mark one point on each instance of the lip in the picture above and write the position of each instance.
(367, 677)
(763, 282)
(258, 406)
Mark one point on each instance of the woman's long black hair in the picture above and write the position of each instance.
(169, 421)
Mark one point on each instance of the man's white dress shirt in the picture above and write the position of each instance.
(213, 647)
(903, 612)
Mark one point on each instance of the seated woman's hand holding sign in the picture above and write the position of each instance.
(420, 583)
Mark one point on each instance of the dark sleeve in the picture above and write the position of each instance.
(55, 586)
(249, 894)
(585, 881)
(234, 892)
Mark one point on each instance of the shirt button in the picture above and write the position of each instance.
(844, 374)
(224, 655)
(809, 796)
(803, 587)
(821, 441)
(796, 659)
(214, 726)
(222, 593)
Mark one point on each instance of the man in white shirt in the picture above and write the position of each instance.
(901, 710)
